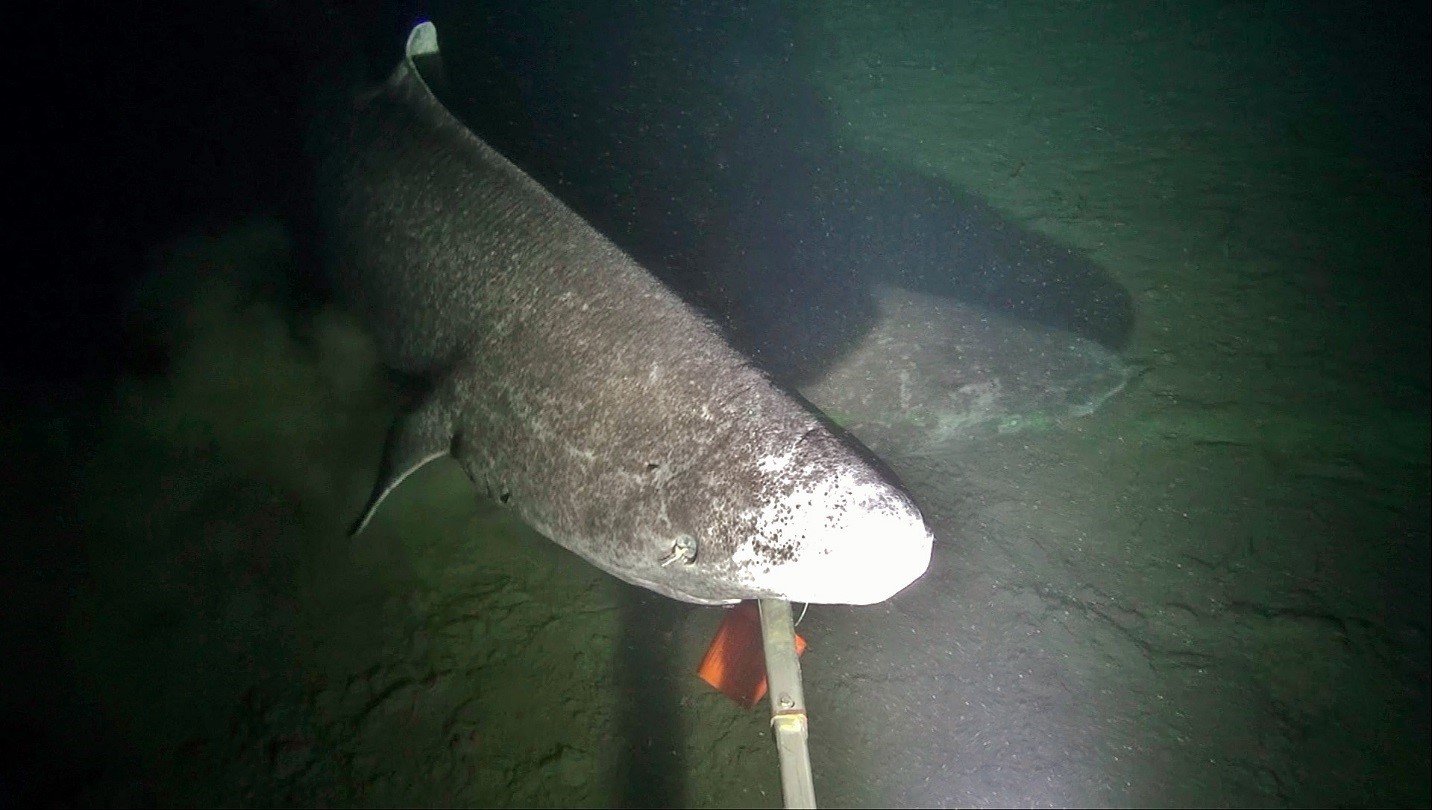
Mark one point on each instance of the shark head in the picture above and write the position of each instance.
(836, 534)
(814, 522)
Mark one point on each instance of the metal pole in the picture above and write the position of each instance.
(788, 712)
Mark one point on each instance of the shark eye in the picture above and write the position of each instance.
(682, 551)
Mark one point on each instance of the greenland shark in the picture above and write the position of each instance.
(574, 387)
(932, 373)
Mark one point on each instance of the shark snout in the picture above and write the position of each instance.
(842, 541)
(875, 553)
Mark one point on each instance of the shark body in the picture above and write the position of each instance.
(574, 387)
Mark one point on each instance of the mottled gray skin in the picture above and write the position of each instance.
(932, 372)
(573, 386)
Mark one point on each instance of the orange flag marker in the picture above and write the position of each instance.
(735, 663)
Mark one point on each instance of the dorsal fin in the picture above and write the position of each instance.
(427, 61)
(417, 436)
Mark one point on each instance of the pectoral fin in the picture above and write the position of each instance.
(417, 437)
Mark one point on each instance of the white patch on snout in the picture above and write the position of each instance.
(774, 465)
(841, 539)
